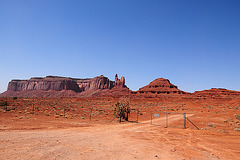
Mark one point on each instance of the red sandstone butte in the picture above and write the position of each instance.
(160, 86)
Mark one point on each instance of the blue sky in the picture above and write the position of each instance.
(194, 44)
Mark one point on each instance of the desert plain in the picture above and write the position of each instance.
(86, 128)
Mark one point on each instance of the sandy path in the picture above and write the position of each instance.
(121, 141)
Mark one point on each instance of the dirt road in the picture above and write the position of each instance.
(116, 142)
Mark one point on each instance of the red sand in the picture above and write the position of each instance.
(46, 134)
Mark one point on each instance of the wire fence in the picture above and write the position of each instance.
(168, 119)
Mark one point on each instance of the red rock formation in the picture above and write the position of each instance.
(100, 82)
(53, 86)
(160, 86)
(47, 83)
(60, 83)
(119, 83)
(216, 92)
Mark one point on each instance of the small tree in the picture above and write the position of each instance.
(122, 109)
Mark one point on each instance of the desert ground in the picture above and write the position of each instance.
(85, 128)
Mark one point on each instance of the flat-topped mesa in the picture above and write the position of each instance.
(60, 83)
(46, 83)
(160, 86)
(119, 83)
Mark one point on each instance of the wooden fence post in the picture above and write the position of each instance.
(166, 120)
(151, 118)
(90, 116)
(137, 114)
(184, 116)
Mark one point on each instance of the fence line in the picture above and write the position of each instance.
(185, 119)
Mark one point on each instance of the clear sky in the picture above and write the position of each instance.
(193, 43)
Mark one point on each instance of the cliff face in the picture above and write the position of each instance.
(100, 82)
(48, 83)
(60, 83)
(54, 86)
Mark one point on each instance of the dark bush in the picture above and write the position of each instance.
(3, 103)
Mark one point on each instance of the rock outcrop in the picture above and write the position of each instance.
(160, 86)
(60, 83)
(100, 82)
(54, 86)
(216, 92)
(119, 83)
(47, 83)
